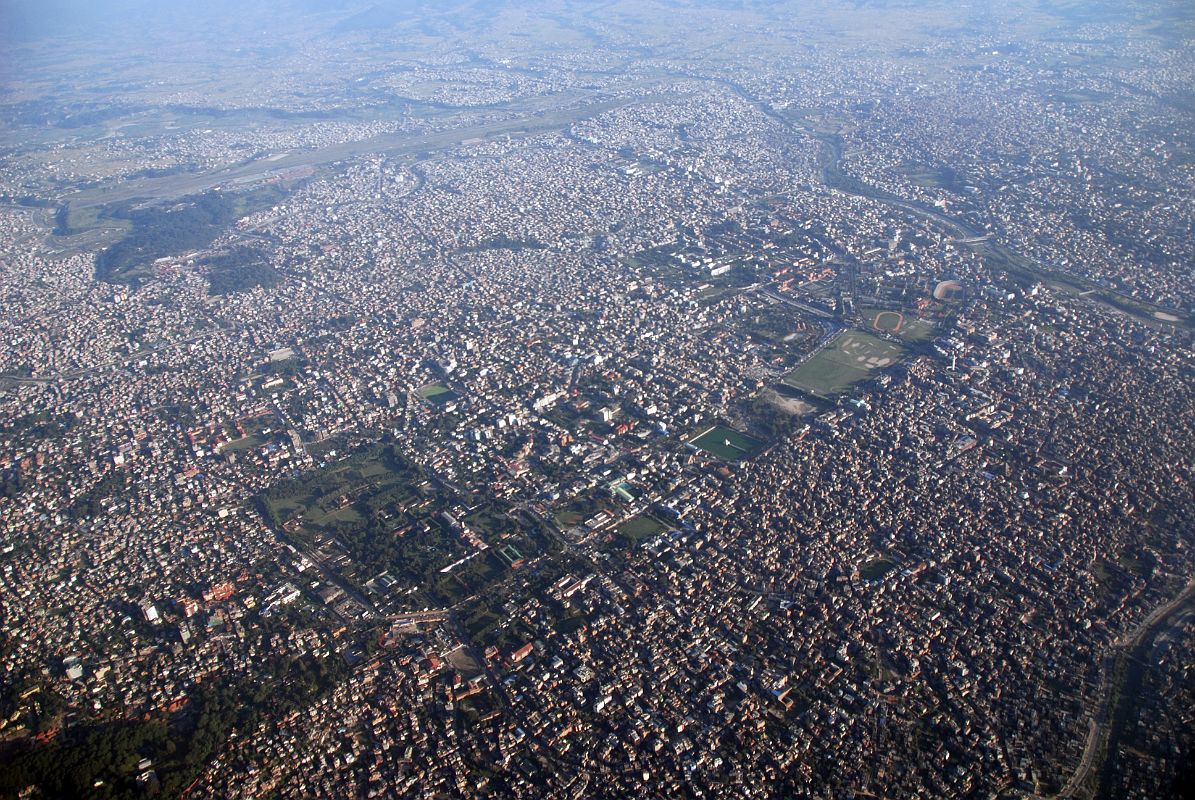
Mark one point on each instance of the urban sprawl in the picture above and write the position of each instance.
(791, 417)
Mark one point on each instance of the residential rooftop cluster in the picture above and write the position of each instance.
(589, 423)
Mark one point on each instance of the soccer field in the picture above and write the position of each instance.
(641, 527)
(904, 323)
(727, 443)
(437, 393)
(849, 359)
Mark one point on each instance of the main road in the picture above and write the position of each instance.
(963, 233)
(1102, 735)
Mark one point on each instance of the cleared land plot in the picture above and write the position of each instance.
(789, 405)
(851, 358)
(726, 443)
(462, 661)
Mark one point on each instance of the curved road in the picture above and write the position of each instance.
(1101, 739)
(834, 177)
(1101, 744)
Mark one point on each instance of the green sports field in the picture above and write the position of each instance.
(851, 358)
(437, 393)
(876, 569)
(726, 443)
(905, 323)
(641, 527)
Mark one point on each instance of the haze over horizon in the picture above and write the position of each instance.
(602, 398)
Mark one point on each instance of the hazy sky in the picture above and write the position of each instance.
(30, 19)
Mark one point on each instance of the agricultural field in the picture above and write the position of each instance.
(849, 359)
(726, 443)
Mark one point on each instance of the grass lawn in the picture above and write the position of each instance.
(889, 321)
(80, 219)
(244, 443)
(917, 330)
(582, 508)
(375, 469)
(490, 521)
(372, 471)
(849, 359)
(727, 443)
(1131, 564)
(636, 529)
(567, 519)
(876, 569)
(904, 324)
(348, 514)
(437, 393)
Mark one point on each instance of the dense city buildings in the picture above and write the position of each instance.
(625, 399)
